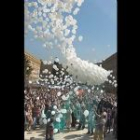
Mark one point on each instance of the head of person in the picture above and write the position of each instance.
(108, 110)
(104, 115)
(36, 104)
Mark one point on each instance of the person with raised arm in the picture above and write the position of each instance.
(100, 125)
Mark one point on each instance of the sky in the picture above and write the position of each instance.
(97, 23)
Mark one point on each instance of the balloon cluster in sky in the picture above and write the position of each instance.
(53, 22)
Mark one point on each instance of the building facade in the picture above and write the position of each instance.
(35, 64)
(110, 64)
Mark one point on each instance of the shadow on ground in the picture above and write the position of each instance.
(36, 139)
(86, 137)
(69, 136)
(79, 137)
(43, 132)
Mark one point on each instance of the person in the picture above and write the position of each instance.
(73, 120)
(48, 108)
(91, 117)
(81, 116)
(36, 114)
(49, 130)
(108, 124)
(115, 123)
(100, 105)
(25, 117)
(68, 114)
(29, 117)
(74, 114)
(100, 126)
(68, 119)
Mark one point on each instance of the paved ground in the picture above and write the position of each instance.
(39, 134)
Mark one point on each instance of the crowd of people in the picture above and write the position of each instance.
(58, 109)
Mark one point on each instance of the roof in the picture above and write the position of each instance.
(110, 64)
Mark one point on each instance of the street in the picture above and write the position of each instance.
(39, 134)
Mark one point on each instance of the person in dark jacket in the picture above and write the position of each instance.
(73, 120)
(49, 130)
(108, 124)
(100, 105)
(115, 123)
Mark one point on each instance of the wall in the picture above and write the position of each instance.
(35, 64)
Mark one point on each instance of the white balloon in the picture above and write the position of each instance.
(77, 121)
(115, 104)
(59, 93)
(64, 98)
(56, 60)
(53, 112)
(51, 76)
(67, 32)
(115, 85)
(45, 71)
(30, 82)
(43, 116)
(75, 12)
(60, 115)
(63, 111)
(55, 67)
(76, 88)
(55, 107)
(86, 113)
(55, 130)
(44, 121)
(102, 91)
(58, 120)
(89, 90)
(80, 38)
